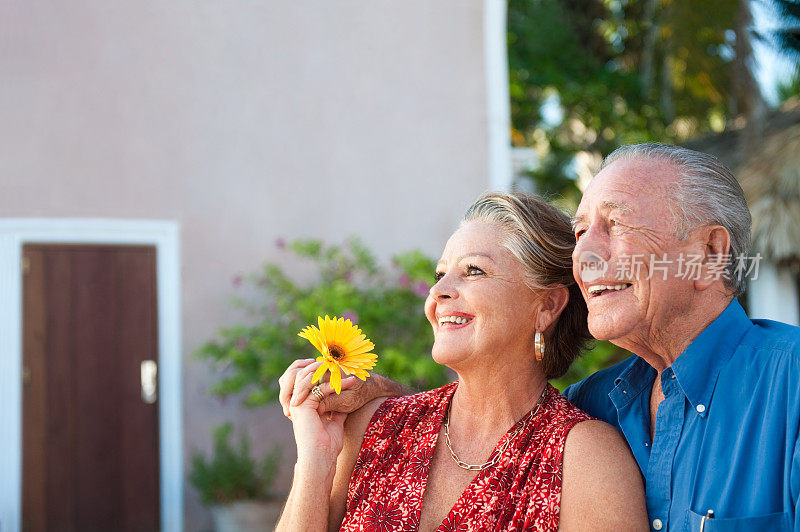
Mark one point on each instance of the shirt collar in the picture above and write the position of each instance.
(635, 378)
(697, 368)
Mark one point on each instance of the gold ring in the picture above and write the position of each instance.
(316, 392)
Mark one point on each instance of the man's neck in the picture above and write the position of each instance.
(661, 344)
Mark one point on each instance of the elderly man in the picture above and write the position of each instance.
(710, 404)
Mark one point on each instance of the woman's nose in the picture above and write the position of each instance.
(443, 289)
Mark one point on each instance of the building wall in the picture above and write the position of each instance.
(773, 294)
(245, 122)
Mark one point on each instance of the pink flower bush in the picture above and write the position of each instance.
(404, 281)
(421, 288)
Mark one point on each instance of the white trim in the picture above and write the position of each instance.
(501, 176)
(524, 160)
(774, 294)
(164, 236)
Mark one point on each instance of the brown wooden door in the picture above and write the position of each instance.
(90, 442)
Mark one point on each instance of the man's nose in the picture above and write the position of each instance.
(593, 239)
(591, 251)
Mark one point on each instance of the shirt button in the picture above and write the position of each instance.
(657, 524)
(701, 408)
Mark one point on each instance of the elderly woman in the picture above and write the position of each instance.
(500, 448)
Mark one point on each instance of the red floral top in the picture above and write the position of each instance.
(521, 492)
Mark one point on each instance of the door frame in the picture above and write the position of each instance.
(164, 235)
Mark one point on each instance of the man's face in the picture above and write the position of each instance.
(624, 231)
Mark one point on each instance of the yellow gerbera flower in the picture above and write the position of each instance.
(342, 347)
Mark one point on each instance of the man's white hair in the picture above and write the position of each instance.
(706, 193)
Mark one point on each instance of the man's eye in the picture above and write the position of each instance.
(437, 276)
(579, 233)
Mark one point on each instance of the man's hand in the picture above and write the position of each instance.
(355, 392)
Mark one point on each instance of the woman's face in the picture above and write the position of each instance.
(480, 306)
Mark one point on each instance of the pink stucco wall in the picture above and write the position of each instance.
(244, 121)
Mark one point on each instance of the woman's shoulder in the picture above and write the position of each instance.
(578, 433)
(563, 414)
(601, 479)
(596, 436)
(600, 476)
(582, 430)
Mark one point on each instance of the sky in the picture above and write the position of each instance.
(771, 68)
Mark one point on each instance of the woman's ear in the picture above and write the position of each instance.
(553, 301)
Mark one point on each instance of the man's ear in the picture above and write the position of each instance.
(553, 302)
(716, 245)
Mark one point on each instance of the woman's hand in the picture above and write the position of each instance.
(318, 435)
(296, 385)
(326, 451)
(355, 392)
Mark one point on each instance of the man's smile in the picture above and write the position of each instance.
(599, 290)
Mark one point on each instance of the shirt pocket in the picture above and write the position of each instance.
(767, 522)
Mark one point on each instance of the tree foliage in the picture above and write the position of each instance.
(620, 72)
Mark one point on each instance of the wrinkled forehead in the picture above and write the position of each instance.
(634, 185)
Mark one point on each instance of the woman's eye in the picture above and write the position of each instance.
(437, 276)
(474, 270)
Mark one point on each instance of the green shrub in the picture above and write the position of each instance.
(386, 302)
(232, 474)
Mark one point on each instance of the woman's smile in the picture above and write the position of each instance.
(454, 320)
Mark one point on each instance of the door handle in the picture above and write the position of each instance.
(149, 377)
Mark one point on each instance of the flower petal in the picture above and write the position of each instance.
(361, 374)
(354, 349)
(336, 379)
(312, 334)
(320, 372)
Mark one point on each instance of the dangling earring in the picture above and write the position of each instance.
(538, 346)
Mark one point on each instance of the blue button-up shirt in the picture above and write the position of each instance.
(726, 433)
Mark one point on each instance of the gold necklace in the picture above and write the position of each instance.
(496, 456)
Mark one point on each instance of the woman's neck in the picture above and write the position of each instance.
(491, 403)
